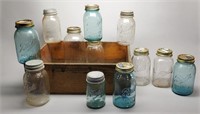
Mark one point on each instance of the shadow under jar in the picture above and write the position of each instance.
(184, 75)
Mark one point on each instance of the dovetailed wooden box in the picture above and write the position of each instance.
(68, 75)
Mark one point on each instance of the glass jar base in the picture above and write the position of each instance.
(161, 83)
(39, 101)
(123, 103)
(96, 105)
(182, 91)
(142, 81)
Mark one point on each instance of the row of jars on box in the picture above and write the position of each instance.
(27, 40)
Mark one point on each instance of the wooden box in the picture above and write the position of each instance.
(68, 76)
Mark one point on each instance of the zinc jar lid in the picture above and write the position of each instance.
(24, 23)
(92, 7)
(164, 52)
(95, 77)
(73, 29)
(34, 65)
(124, 67)
(127, 13)
(141, 51)
(186, 58)
(50, 11)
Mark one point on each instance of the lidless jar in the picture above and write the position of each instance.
(124, 86)
(184, 75)
(95, 91)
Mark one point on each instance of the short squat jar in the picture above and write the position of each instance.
(184, 75)
(92, 21)
(74, 34)
(124, 86)
(126, 28)
(36, 83)
(26, 41)
(142, 66)
(95, 91)
(163, 65)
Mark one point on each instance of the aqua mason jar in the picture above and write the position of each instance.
(124, 86)
(95, 91)
(184, 75)
(26, 41)
(92, 21)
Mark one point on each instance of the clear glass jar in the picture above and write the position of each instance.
(74, 34)
(95, 91)
(26, 41)
(142, 65)
(94, 52)
(163, 65)
(51, 26)
(184, 75)
(126, 28)
(36, 83)
(92, 21)
(124, 86)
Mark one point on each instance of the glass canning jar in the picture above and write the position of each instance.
(73, 34)
(142, 65)
(184, 75)
(162, 70)
(36, 83)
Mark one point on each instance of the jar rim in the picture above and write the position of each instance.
(93, 7)
(186, 58)
(95, 77)
(73, 29)
(24, 23)
(164, 52)
(34, 65)
(141, 51)
(124, 67)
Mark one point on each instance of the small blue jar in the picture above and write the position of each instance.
(95, 91)
(92, 21)
(26, 41)
(184, 75)
(124, 86)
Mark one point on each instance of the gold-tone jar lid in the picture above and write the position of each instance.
(127, 13)
(92, 7)
(24, 23)
(73, 29)
(186, 58)
(164, 52)
(124, 67)
(141, 51)
(50, 11)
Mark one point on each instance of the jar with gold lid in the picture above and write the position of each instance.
(124, 86)
(184, 75)
(162, 70)
(73, 34)
(142, 64)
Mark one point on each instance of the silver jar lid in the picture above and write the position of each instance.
(92, 7)
(95, 77)
(127, 13)
(49, 11)
(141, 51)
(164, 52)
(186, 58)
(73, 29)
(34, 65)
(124, 67)
(24, 23)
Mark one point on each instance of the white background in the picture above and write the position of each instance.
(159, 23)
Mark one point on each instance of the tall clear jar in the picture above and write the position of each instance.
(95, 91)
(51, 26)
(126, 28)
(26, 41)
(124, 86)
(142, 65)
(36, 83)
(74, 34)
(92, 21)
(184, 75)
(94, 52)
(163, 65)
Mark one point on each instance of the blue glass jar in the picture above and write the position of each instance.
(95, 91)
(184, 75)
(26, 41)
(92, 21)
(124, 86)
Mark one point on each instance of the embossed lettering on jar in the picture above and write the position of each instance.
(184, 75)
